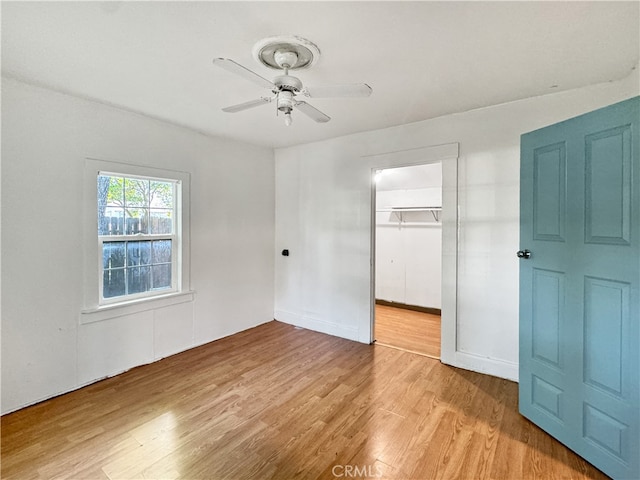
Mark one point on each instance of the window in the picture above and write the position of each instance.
(138, 240)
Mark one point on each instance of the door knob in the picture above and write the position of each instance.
(523, 254)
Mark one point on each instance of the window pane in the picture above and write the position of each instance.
(113, 283)
(103, 188)
(161, 194)
(113, 223)
(137, 220)
(138, 253)
(110, 202)
(138, 279)
(115, 194)
(160, 221)
(161, 251)
(161, 276)
(112, 254)
(136, 192)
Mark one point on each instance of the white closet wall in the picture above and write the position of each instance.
(409, 236)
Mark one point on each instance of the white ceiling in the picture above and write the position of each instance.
(422, 59)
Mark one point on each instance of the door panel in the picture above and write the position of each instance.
(606, 432)
(608, 186)
(579, 289)
(549, 192)
(548, 398)
(605, 314)
(548, 316)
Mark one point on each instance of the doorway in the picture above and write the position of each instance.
(408, 258)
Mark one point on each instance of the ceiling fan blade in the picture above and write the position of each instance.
(246, 105)
(238, 69)
(338, 90)
(312, 112)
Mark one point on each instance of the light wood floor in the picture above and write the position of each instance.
(283, 403)
(413, 331)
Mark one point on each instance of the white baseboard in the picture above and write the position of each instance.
(489, 366)
(318, 325)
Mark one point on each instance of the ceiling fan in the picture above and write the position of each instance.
(287, 53)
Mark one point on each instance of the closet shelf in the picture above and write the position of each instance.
(409, 209)
(435, 211)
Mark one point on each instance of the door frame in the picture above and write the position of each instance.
(447, 155)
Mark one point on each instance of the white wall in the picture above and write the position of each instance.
(46, 137)
(323, 214)
(408, 246)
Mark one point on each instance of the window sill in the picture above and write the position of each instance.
(106, 312)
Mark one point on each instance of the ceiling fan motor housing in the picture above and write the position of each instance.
(287, 83)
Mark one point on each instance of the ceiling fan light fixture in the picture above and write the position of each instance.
(276, 52)
(286, 59)
(285, 104)
(285, 101)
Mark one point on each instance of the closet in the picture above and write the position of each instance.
(408, 257)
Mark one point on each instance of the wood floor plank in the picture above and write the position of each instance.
(281, 402)
(409, 330)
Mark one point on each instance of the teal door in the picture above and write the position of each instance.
(580, 285)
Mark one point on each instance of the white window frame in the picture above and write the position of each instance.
(94, 306)
(174, 237)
